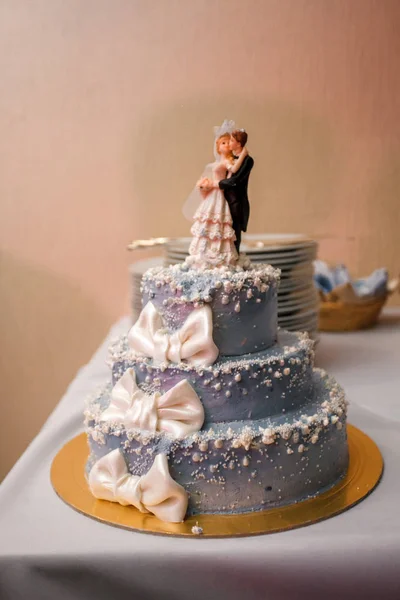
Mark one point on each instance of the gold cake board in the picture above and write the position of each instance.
(364, 473)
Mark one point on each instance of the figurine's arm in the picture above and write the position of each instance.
(232, 182)
(204, 185)
(236, 166)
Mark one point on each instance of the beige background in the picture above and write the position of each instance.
(106, 115)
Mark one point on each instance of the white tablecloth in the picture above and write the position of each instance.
(49, 551)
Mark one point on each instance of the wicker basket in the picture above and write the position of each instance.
(337, 316)
(338, 313)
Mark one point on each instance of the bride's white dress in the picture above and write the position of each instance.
(213, 237)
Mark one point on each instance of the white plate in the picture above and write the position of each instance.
(303, 273)
(282, 256)
(295, 285)
(140, 266)
(300, 316)
(295, 297)
(298, 296)
(276, 241)
(282, 262)
(299, 325)
(284, 311)
(256, 242)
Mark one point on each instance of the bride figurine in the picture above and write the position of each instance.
(213, 243)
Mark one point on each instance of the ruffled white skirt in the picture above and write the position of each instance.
(213, 235)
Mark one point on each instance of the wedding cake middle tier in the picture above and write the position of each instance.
(254, 386)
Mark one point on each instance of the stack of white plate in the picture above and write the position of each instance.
(294, 255)
(136, 271)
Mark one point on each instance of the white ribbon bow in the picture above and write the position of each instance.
(192, 343)
(178, 411)
(155, 492)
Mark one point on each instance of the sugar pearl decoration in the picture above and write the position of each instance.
(219, 443)
(286, 433)
(286, 371)
(238, 377)
(249, 293)
(217, 387)
(203, 446)
(196, 457)
(196, 530)
(228, 393)
(237, 307)
(225, 299)
(268, 437)
(300, 448)
(231, 465)
(245, 461)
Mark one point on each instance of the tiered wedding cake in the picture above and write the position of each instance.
(211, 409)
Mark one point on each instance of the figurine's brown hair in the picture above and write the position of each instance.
(240, 136)
(224, 135)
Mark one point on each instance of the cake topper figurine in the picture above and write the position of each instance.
(220, 199)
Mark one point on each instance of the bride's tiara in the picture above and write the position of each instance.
(226, 127)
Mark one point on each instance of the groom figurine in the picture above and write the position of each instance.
(235, 188)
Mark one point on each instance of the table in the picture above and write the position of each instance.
(49, 551)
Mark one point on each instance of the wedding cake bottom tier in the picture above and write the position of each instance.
(240, 466)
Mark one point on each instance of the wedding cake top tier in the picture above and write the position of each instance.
(243, 302)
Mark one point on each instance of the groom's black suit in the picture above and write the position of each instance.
(235, 192)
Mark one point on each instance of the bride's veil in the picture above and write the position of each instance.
(195, 198)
